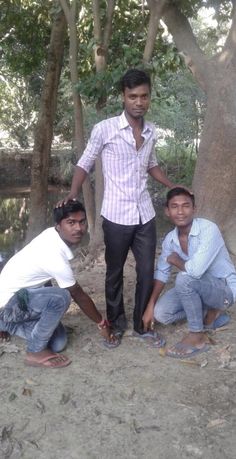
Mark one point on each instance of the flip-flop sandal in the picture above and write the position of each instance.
(47, 362)
(151, 337)
(146, 335)
(220, 321)
(110, 345)
(190, 351)
(159, 341)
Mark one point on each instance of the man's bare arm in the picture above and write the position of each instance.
(77, 182)
(87, 305)
(158, 174)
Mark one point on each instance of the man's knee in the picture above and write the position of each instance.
(62, 298)
(161, 315)
(183, 281)
(58, 344)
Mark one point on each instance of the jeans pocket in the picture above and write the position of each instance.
(16, 310)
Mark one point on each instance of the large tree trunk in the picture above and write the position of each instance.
(44, 130)
(214, 179)
(215, 173)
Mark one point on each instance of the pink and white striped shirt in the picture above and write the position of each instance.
(126, 199)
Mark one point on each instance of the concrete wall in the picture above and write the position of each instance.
(15, 168)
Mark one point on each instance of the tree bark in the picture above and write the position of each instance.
(102, 37)
(214, 179)
(44, 130)
(71, 17)
(156, 10)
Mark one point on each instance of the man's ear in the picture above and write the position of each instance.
(167, 211)
(57, 227)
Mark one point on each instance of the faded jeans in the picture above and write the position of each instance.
(41, 327)
(191, 298)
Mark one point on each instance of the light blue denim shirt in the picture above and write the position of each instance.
(207, 253)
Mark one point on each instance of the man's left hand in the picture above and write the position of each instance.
(175, 260)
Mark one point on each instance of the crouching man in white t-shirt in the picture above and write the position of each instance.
(32, 311)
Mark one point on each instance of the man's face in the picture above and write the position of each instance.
(180, 210)
(72, 228)
(136, 101)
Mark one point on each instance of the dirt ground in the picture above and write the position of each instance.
(128, 402)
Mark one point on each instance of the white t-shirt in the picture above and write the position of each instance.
(46, 257)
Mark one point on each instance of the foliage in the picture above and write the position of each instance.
(24, 40)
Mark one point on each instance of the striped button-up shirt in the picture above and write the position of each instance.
(126, 199)
(207, 253)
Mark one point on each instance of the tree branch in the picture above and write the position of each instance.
(179, 27)
(108, 25)
(156, 11)
(230, 43)
(96, 21)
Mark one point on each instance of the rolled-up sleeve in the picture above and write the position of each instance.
(93, 149)
(163, 269)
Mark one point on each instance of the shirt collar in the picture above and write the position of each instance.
(194, 231)
(123, 123)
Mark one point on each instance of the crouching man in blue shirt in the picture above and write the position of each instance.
(206, 284)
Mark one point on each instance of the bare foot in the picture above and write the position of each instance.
(46, 359)
(191, 344)
(4, 337)
(211, 316)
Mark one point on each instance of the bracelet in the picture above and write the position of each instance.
(103, 324)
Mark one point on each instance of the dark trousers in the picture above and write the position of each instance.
(141, 239)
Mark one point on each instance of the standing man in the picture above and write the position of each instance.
(205, 286)
(33, 311)
(126, 144)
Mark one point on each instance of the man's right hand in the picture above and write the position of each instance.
(148, 317)
(64, 201)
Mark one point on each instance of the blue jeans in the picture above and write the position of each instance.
(42, 328)
(191, 298)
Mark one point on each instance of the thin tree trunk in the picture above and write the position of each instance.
(71, 17)
(44, 130)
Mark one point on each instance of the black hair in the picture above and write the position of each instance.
(176, 192)
(59, 213)
(133, 78)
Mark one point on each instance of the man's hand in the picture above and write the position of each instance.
(180, 185)
(148, 317)
(108, 335)
(175, 260)
(77, 181)
(64, 201)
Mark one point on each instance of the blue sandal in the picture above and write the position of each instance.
(220, 321)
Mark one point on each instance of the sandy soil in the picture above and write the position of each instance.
(130, 402)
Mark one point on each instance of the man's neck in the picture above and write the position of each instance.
(184, 231)
(134, 122)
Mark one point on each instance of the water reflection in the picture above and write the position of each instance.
(14, 215)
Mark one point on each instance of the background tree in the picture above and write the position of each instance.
(214, 177)
(44, 129)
